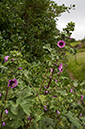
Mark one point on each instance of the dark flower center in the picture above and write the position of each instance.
(61, 70)
(61, 44)
(12, 83)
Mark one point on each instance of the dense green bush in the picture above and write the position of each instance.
(34, 92)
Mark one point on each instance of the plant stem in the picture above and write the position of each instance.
(50, 79)
(35, 91)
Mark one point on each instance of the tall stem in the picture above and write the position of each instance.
(50, 79)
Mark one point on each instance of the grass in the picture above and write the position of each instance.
(81, 50)
(75, 43)
(77, 67)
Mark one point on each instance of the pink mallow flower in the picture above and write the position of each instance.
(45, 109)
(20, 68)
(46, 91)
(70, 38)
(12, 83)
(3, 123)
(6, 58)
(55, 96)
(0, 94)
(61, 43)
(82, 97)
(12, 59)
(6, 111)
(29, 118)
(58, 112)
(71, 90)
(60, 67)
(80, 114)
(51, 70)
(55, 80)
(55, 63)
(45, 106)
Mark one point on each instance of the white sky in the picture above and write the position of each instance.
(77, 16)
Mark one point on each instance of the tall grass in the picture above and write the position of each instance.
(77, 67)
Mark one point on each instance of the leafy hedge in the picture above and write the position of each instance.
(34, 92)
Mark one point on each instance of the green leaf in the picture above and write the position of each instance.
(26, 108)
(18, 101)
(15, 123)
(14, 109)
(51, 106)
(49, 122)
(11, 102)
(50, 127)
(38, 117)
(75, 83)
(82, 84)
(20, 114)
(73, 119)
(64, 78)
(11, 115)
(47, 46)
(62, 92)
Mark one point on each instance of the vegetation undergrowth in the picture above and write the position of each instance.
(75, 43)
(35, 91)
(77, 67)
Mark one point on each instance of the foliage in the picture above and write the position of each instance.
(75, 43)
(83, 41)
(69, 28)
(44, 97)
(77, 67)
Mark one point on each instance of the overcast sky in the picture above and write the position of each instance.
(77, 16)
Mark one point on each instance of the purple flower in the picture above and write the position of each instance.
(55, 63)
(60, 67)
(45, 87)
(46, 91)
(69, 37)
(3, 123)
(82, 102)
(45, 106)
(61, 44)
(80, 114)
(55, 80)
(45, 109)
(71, 90)
(20, 68)
(0, 94)
(51, 70)
(82, 97)
(55, 96)
(29, 118)
(6, 111)
(12, 83)
(6, 58)
(58, 112)
(12, 59)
